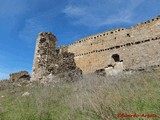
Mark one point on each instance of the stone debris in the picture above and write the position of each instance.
(17, 85)
(25, 94)
(22, 75)
(4, 84)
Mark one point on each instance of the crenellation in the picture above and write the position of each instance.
(97, 36)
(149, 22)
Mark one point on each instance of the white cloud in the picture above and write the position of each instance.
(74, 11)
(121, 17)
(39, 19)
(101, 12)
(31, 29)
(26, 18)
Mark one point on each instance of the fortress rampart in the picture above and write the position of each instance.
(136, 47)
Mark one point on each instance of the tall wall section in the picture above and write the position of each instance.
(137, 47)
(45, 53)
(50, 61)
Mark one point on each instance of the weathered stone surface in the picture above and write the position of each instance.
(65, 66)
(137, 46)
(25, 94)
(22, 75)
(45, 53)
(51, 61)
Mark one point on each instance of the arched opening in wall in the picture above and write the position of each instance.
(116, 57)
(116, 63)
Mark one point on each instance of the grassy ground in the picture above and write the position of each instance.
(92, 98)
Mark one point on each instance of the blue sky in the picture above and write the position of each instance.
(69, 20)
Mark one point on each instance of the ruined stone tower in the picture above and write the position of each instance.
(50, 61)
(44, 54)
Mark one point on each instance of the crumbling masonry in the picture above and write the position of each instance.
(22, 75)
(118, 49)
(49, 60)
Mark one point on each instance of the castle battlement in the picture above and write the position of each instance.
(147, 22)
(96, 36)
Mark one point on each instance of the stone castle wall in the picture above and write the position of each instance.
(111, 51)
(136, 47)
